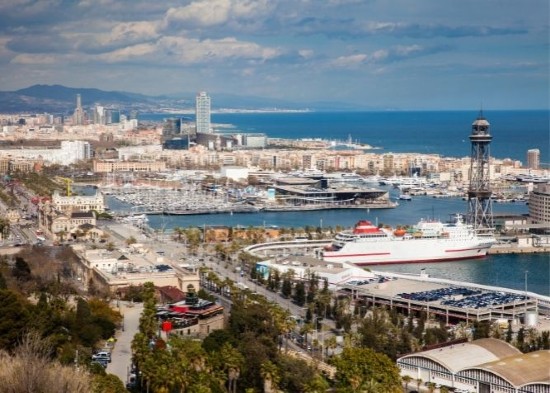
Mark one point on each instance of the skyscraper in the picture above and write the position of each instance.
(202, 113)
(78, 117)
(533, 158)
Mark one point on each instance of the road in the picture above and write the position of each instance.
(121, 356)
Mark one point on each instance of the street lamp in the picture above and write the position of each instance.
(526, 272)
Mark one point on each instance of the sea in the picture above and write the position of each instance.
(427, 132)
(438, 132)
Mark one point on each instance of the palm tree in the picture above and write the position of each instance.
(418, 383)
(371, 386)
(4, 228)
(406, 380)
(305, 330)
(330, 343)
(232, 362)
(270, 375)
(179, 232)
(61, 234)
(431, 387)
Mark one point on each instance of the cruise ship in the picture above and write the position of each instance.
(427, 241)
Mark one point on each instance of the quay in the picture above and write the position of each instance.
(514, 249)
(251, 209)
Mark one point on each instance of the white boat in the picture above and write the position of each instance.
(405, 197)
(343, 177)
(427, 241)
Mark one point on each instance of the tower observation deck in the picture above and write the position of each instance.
(480, 208)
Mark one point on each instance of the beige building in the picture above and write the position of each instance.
(78, 203)
(484, 365)
(539, 204)
(110, 166)
(112, 270)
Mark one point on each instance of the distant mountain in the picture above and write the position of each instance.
(62, 99)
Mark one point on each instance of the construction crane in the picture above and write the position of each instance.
(68, 183)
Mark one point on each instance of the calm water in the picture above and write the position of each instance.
(500, 270)
(436, 132)
(442, 132)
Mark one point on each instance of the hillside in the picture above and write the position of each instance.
(62, 99)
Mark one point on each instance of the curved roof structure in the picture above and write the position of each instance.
(468, 355)
(522, 369)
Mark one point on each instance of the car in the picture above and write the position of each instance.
(102, 356)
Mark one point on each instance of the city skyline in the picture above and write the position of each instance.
(375, 54)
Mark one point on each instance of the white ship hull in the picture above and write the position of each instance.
(428, 241)
(408, 251)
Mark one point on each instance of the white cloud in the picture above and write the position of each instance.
(349, 61)
(128, 53)
(306, 53)
(131, 31)
(189, 51)
(207, 13)
(28, 58)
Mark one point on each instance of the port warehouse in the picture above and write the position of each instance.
(521, 304)
(484, 365)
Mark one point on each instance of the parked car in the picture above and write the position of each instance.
(102, 356)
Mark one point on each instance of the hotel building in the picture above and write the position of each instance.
(533, 159)
(202, 113)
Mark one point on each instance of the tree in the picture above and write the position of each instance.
(300, 293)
(14, 318)
(3, 284)
(418, 383)
(271, 377)
(358, 366)
(232, 361)
(4, 228)
(29, 369)
(21, 270)
(179, 232)
(108, 383)
(286, 288)
(406, 380)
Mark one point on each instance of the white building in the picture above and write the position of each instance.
(236, 173)
(74, 151)
(336, 273)
(69, 153)
(202, 113)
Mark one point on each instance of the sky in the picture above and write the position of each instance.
(380, 54)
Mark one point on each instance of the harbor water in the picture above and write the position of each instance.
(516, 271)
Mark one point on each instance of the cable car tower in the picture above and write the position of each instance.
(480, 207)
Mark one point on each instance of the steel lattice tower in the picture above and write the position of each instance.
(480, 207)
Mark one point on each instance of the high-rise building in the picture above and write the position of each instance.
(539, 204)
(78, 117)
(202, 113)
(533, 158)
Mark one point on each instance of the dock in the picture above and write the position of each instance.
(515, 249)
